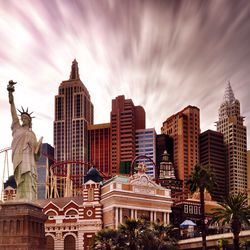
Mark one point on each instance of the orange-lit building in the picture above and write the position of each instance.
(125, 119)
(99, 147)
(184, 128)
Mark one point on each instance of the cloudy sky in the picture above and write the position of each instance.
(164, 55)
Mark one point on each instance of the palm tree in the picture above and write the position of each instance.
(234, 211)
(165, 236)
(130, 232)
(105, 239)
(135, 235)
(201, 178)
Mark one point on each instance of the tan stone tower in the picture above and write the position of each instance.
(73, 113)
(231, 125)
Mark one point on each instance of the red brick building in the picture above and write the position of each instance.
(125, 119)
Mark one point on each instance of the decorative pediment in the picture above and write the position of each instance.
(142, 184)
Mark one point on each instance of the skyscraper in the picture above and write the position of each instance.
(184, 128)
(73, 113)
(231, 125)
(125, 119)
(213, 154)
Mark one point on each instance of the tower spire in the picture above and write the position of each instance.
(74, 74)
(229, 94)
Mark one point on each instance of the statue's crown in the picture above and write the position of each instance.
(23, 112)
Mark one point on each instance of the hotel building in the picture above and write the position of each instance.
(125, 119)
(184, 128)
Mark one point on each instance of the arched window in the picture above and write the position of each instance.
(71, 214)
(69, 242)
(49, 243)
(51, 214)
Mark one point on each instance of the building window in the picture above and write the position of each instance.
(185, 209)
(191, 209)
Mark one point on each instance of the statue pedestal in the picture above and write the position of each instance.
(21, 226)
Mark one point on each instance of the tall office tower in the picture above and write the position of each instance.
(125, 119)
(184, 128)
(73, 113)
(213, 154)
(43, 171)
(230, 124)
(145, 146)
(99, 147)
(163, 142)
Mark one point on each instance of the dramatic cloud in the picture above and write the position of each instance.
(164, 55)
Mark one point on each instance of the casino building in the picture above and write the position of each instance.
(73, 221)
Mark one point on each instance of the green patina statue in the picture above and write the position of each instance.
(25, 151)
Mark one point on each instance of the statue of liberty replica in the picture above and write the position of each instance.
(25, 151)
(22, 220)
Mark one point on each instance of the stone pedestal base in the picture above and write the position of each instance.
(21, 226)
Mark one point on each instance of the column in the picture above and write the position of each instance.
(164, 218)
(132, 214)
(135, 213)
(120, 215)
(167, 218)
(154, 216)
(151, 215)
(116, 217)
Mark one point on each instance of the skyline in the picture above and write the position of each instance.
(164, 56)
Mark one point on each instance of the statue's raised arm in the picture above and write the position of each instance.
(11, 89)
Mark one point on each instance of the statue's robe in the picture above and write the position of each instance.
(23, 157)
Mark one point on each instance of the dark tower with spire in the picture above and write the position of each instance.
(231, 125)
(73, 113)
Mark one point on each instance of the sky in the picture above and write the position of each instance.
(164, 55)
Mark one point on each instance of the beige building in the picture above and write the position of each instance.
(134, 197)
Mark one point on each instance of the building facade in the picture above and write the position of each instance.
(73, 113)
(125, 119)
(99, 147)
(184, 128)
(231, 125)
(73, 221)
(145, 140)
(213, 154)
